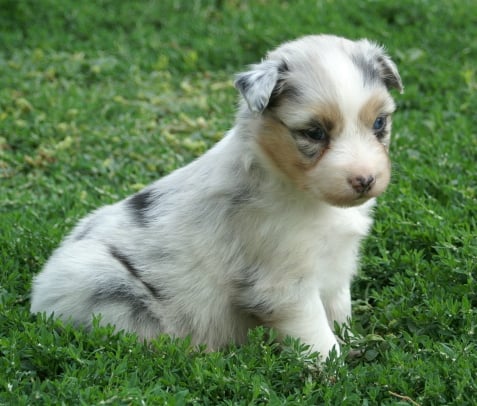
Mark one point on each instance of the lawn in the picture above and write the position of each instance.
(99, 98)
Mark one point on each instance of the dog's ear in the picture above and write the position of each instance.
(259, 84)
(379, 63)
(389, 73)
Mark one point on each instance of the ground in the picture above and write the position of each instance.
(98, 99)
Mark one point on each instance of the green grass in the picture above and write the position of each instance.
(100, 98)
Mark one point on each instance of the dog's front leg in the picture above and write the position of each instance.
(338, 307)
(308, 321)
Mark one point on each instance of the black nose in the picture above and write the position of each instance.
(361, 184)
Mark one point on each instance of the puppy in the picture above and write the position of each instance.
(264, 229)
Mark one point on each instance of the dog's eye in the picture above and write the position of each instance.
(317, 133)
(379, 124)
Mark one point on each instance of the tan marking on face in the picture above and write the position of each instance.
(378, 103)
(327, 174)
(329, 116)
(275, 140)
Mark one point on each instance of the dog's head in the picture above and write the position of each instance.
(322, 110)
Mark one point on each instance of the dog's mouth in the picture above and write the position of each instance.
(357, 201)
(353, 198)
(363, 198)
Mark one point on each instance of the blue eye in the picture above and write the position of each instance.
(379, 124)
(316, 133)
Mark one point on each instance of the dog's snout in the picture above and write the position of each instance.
(362, 184)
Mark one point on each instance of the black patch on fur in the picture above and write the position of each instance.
(140, 204)
(255, 306)
(119, 293)
(246, 299)
(390, 78)
(367, 67)
(247, 278)
(122, 294)
(283, 91)
(260, 309)
(241, 196)
(243, 83)
(282, 94)
(245, 193)
(126, 262)
(283, 67)
(84, 232)
(377, 69)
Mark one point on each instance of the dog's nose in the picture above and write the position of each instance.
(362, 184)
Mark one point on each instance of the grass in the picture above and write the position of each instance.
(100, 98)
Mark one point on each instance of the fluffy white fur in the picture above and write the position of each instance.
(263, 229)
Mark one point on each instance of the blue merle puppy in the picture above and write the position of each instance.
(263, 229)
